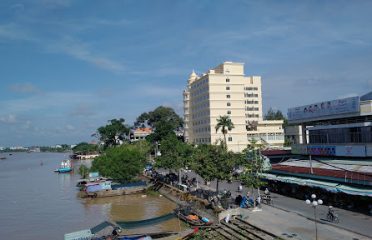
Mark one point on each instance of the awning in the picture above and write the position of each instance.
(329, 186)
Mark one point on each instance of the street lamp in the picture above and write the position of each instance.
(314, 203)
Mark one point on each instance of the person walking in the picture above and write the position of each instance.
(240, 188)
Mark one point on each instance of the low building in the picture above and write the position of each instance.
(341, 127)
(139, 134)
(269, 133)
(333, 153)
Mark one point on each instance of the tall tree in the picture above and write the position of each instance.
(113, 133)
(175, 154)
(276, 115)
(160, 115)
(254, 165)
(85, 148)
(162, 130)
(213, 162)
(225, 124)
(122, 163)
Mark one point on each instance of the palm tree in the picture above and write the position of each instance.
(224, 123)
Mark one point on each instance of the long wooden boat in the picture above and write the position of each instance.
(110, 190)
(191, 217)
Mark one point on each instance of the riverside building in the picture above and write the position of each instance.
(225, 90)
(332, 155)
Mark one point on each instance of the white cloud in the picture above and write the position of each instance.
(70, 127)
(24, 88)
(13, 31)
(81, 51)
(10, 118)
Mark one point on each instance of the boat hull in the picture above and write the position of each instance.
(63, 170)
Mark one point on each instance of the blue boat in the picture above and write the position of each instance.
(66, 166)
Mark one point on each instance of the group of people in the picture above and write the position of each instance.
(247, 200)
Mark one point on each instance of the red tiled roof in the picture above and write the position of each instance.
(275, 152)
(324, 172)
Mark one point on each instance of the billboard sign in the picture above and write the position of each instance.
(327, 108)
(321, 150)
(369, 151)
(351, 151)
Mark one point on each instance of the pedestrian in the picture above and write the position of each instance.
(258, 201)
(240, 188)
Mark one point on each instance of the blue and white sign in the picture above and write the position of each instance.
(351, 151)
(327, 108)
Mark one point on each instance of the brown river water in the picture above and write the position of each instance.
(36, 203)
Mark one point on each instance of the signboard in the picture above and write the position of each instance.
(321, 150)
(351, 151)
(327, 108)
(369, 151)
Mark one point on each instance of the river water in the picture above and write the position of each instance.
(36, 203)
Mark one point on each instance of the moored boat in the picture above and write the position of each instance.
(189, 216)
(106, 188)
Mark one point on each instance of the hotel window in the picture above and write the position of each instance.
(227, 88)
(227, 80)
(229, 112)
(227, 96)
(229, 139)
(228, 104)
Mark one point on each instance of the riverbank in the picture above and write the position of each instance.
(285, 223)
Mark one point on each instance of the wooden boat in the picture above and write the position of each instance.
(93, 234)
(191, 217)
(106, 189)
(2, 158)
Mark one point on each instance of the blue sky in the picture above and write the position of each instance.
(69, 66)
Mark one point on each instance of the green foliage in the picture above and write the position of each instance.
(113, 133)
(213, 162)
(253, 165)
(276, 115)
(122, 163)
(85, 148)
(160, 115)
(83, 171)
(63, 148)
(175, 154)
(287, 142)
(162, 131)
(225, 124)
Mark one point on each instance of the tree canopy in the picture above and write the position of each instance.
(85, 148)
(113, 133)
(213, 162)
(253, 165)
(163, 130)
(175, 154)
(159, 116)
(275, 115)
(122, 163)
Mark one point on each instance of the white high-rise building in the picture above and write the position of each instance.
(225, 90)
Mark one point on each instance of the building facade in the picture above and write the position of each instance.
(341, 127)
(225, 90)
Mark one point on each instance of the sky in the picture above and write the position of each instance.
(67, 67)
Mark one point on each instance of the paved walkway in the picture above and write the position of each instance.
(289, 225)
(292, 216)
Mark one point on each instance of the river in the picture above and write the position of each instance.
(37, 203)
